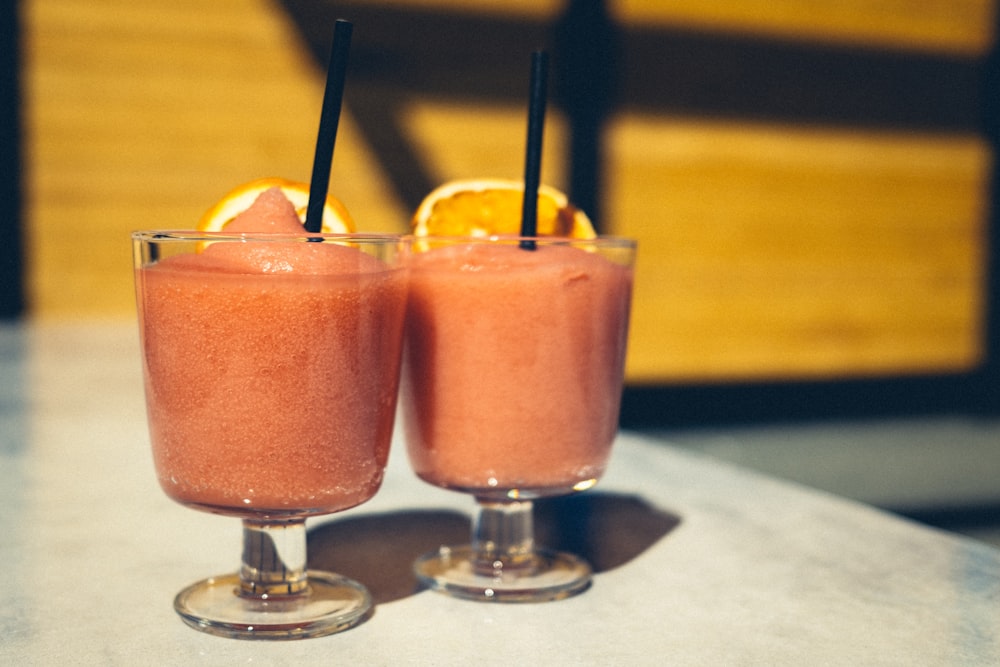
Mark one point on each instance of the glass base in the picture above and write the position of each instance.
(331, 603)
(545, 576)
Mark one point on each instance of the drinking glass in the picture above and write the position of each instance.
(512, 378)
(271, 369)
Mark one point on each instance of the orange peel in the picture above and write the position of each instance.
(336, 219)
(492, 207)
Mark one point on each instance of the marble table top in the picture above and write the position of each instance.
(697, 562)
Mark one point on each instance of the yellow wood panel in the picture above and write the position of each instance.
(765, 251)
(541, 9)
(956, 26)
(140, 114)
(467, 141)
(771, 252)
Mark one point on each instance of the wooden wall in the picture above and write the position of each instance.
(771, 247)
(141, 114)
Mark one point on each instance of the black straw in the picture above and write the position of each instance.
(329, 119)
(533, 154)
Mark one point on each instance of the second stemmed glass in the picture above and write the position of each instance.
(511, 388)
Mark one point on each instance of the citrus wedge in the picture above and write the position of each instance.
(488, 207)
(336, 219)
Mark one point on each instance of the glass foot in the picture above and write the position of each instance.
(330, 603)
(544, 576)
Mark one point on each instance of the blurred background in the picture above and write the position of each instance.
(811, 183)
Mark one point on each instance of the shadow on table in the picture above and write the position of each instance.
(606, 529)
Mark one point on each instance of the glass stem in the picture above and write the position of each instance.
(274, 558)
(503, 538)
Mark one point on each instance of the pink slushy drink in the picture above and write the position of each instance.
(271, 369)
(513, 365)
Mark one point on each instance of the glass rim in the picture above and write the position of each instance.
(182, 235)
(601, 239)
(188, 235)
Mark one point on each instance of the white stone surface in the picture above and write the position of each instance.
(756, 572)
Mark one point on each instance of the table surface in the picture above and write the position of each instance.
(698, 562)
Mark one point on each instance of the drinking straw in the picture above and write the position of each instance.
(533, 153)
(329, 119)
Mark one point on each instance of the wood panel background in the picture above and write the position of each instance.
(770, 248)
(951, 26)
(141, 114)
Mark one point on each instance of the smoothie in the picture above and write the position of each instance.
(271, 369)
(513, 366)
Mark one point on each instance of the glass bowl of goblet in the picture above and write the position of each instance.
(511, 389)
(271, 369)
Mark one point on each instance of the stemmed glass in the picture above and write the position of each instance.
(271, 369)
(512, 378)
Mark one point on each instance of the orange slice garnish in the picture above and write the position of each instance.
(336, 219)
(488, 207)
